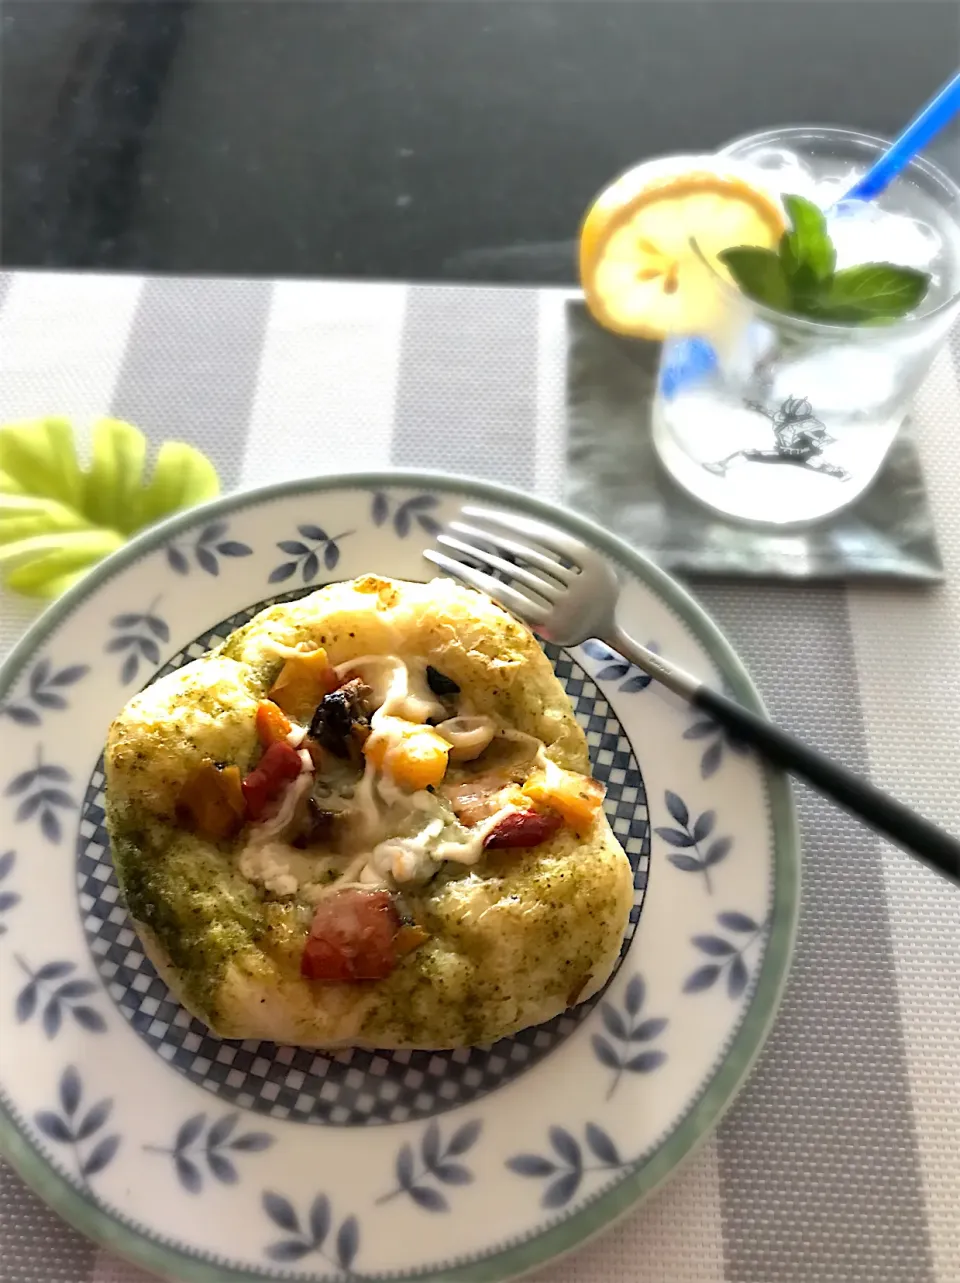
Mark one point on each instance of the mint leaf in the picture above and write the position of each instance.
(760, 274)
(813, 309)
(801, 278)
(881, 290)
(806, 251)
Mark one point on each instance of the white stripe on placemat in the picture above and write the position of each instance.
(819, 1165)
(62, 339)
(190, 368)
(480, 391)
(907, 646)
(325, 396)
(467, 386)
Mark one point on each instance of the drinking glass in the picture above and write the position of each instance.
(779, 420)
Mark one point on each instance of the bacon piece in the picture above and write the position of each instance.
(477, 799)
(353, 936)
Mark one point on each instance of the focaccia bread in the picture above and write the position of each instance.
(367, 819)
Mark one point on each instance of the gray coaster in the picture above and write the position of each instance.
(613, 474)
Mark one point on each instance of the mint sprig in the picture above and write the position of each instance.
(800, 276)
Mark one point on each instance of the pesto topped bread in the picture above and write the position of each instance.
(367, 819)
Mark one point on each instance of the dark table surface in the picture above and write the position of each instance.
(413, 139)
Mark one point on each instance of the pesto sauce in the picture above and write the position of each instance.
(424, 1002)
(182, 890)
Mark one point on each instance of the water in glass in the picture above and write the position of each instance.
(780, 420)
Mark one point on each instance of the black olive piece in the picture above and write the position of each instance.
(318, 826)
(337, 715)
(440, 683)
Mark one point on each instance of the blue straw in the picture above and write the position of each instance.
(939, 112)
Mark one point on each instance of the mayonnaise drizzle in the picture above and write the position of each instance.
(402, 696)
(399, 691)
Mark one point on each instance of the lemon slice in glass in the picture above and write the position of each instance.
(640, 268)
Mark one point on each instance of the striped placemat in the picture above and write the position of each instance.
(841, 1159)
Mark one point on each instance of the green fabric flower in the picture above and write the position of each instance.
(58, 519)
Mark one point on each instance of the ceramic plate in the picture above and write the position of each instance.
(210, 1160)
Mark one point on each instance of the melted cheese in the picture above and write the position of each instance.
(276, 866)
(265, 858)
(399, 690)
(379, 807)
(405, 698)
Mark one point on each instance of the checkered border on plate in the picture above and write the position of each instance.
(352, 1087)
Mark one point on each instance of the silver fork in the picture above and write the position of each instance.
(567, 593)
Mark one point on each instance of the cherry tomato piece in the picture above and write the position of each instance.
(522, 829)
(279, 765)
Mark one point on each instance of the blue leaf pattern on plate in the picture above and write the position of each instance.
(306, 553)
(44, 692)
(78, 1128)
(728, 954)
(717, 738)
(415, 510)
(41, 796)
(54, 991)
(192, 1150)
(691, 855)
(435, 1163)
(570, 1161)
(624, 1046)
(8, 899)
(313, 1234)
(136, 637)
(206, 550)
(614, 668)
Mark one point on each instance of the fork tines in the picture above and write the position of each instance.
(494, 562)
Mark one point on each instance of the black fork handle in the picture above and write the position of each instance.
(933, 845)
(930, 844)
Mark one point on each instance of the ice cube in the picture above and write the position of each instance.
(783, 170)
(777, 160)
(845, 381)
(918, 244)
(864, 233)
